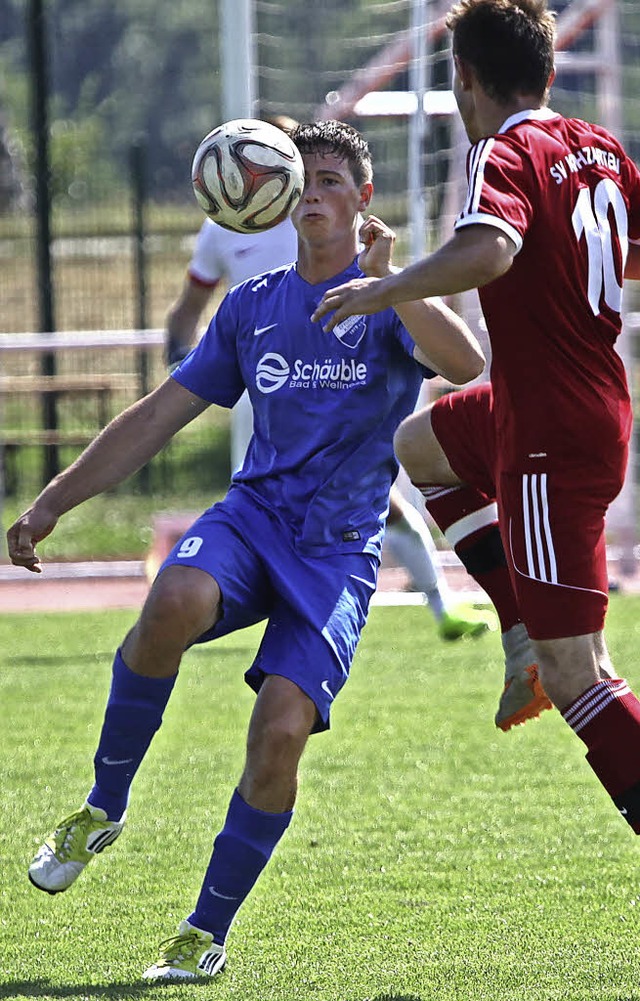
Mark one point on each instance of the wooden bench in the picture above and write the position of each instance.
(99, 386)
(33, 389)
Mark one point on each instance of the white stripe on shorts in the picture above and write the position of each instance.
(541, 557)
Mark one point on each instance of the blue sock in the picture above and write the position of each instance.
(240, 853)
(133, 714)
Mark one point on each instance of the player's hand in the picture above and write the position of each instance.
(379, 240)
(23, 536)
(355, 298)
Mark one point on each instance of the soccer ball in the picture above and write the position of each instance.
(247, 175)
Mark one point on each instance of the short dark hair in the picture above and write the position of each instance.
(509, 44)
(340, 139)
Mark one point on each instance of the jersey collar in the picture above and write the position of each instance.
(352, 271)
(529, 115)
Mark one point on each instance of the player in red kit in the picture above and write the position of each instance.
(550, 227)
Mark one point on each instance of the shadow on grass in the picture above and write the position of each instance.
(58, 660)
(43, 989)
(395, 997)
(415, 997)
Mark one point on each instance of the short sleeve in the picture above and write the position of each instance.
(211, 370)
(205, 265)
(499, 189)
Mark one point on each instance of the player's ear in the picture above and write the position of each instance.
(463, 72)
(552, 76)
(366, 194)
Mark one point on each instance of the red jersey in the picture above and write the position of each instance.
(569, 197)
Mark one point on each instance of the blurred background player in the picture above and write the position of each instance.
(222, 255)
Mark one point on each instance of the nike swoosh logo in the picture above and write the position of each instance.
(623, 811)
(115, 761)
(223, 896)
(325, 688)
(363, 581)
(262, 330)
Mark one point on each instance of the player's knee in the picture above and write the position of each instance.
(181, 604)
(405, 446)
(278, 740)
(275, 746)
(415, 447)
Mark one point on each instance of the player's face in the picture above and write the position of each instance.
(331, 199)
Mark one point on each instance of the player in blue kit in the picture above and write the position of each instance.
(294, 543)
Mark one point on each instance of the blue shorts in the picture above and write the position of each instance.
(316, 606)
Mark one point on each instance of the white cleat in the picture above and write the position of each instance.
(189, 955)
(65, 853)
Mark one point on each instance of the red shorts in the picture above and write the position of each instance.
(552, 522)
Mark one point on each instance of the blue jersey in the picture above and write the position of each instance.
(325, 404)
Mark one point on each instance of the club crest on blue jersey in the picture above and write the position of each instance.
(351, 331)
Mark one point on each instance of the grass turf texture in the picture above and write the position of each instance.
(431, 856)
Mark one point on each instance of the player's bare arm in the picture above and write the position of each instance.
(475, 256)
(183, 319)
(124, 446)
(443, 341)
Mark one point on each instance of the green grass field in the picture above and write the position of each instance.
(431, 856)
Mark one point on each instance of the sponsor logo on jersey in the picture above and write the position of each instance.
(273, 372)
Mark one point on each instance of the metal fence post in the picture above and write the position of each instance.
(38, 57)
(139, 193)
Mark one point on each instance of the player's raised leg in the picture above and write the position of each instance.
(182, 604)
(467, 516)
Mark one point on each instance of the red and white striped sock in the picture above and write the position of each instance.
(607, 718)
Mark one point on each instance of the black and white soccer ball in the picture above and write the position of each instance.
(247, 175)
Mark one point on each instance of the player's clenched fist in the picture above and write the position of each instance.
(378, 241)
(30, 528)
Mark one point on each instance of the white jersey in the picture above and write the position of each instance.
(222, 254)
